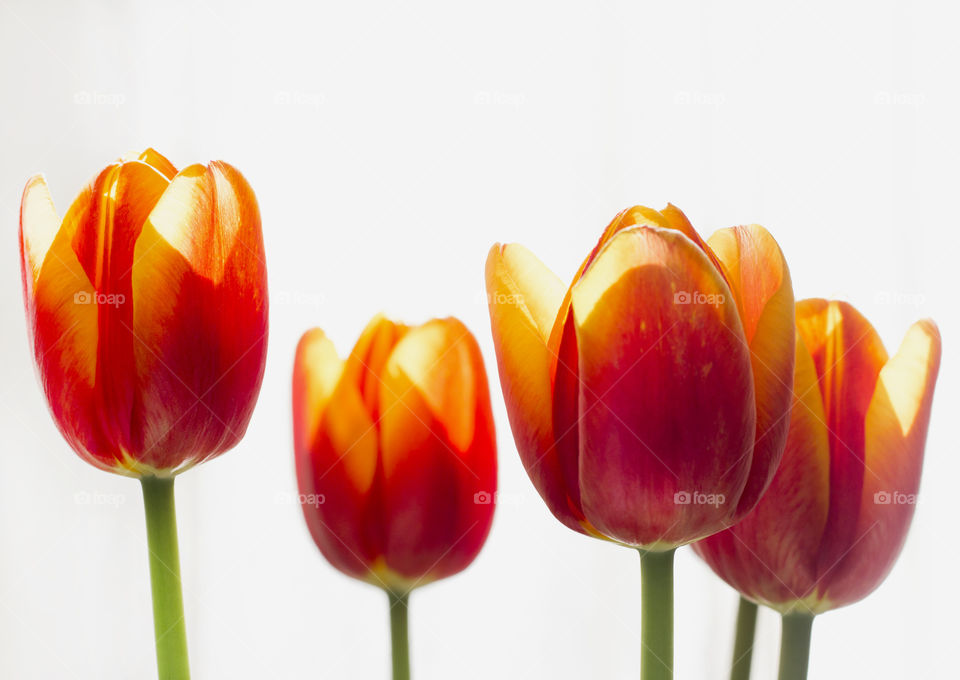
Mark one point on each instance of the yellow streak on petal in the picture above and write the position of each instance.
(437, 359)
(905, 386)
(352, 435)
(317, 369)
(39, 224)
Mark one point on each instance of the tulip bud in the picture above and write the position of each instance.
(648, 400)
(147, 311)
(836, 515)
(396, 448)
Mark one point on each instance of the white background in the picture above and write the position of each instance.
(389, 146)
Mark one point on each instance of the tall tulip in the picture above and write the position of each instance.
(836, 515)
(396, 456)
(648, 398)
(147, 314)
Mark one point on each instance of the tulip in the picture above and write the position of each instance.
(648, 398)
(396, 456)
(147, 314)
(836, 515)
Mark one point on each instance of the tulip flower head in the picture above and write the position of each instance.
(648, 398)
(835, 518)
(147, 311)
(395, 451)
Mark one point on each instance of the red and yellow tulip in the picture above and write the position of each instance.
(147, 311)
(836, 515)
(648, 398)
(395, 451)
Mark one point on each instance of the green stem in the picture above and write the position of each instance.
(795, 646)
(169, 627)
(743, 643)
(656, 589)
(399, 639)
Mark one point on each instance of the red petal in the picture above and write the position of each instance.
(666, 396)
(848, 356)
(200, 318)
(895, 434)
(760, 282)
(438, 452)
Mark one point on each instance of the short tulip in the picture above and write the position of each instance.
(395, 451)
(147, 311)
(396, 456)
(648, 398)
(836, 515)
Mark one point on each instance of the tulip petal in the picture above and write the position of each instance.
(339, 467)
(158, 162)
(39, 224)
(895, 435)
(437, 448)
(339, 461)
(565, 379)
(759, 279)
(644, 370)
(62, 322)
(524, 297)
(316, 371)
(199, 278)
(848, 355)
(771, 554)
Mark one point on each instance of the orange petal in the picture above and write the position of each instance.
(666, 395)
(158, 162)
(848, 355)
(338, 467)
(316, 371)
(199, 281)
(100, 227)
(39, 224)
(524, 297)
(895, 435)
(340, 459)
(636, 216)
(437, 452)
(771, 554)
(62, 323)
(759, 279)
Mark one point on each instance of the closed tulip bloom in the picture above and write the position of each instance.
(395, 451)
(836, 515)
(147, 311)
(147, 314)
(648, 398)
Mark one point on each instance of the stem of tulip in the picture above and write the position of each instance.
(795, 645)
(656, 628)
(399, 639)
(169, 627)
(743, 643)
